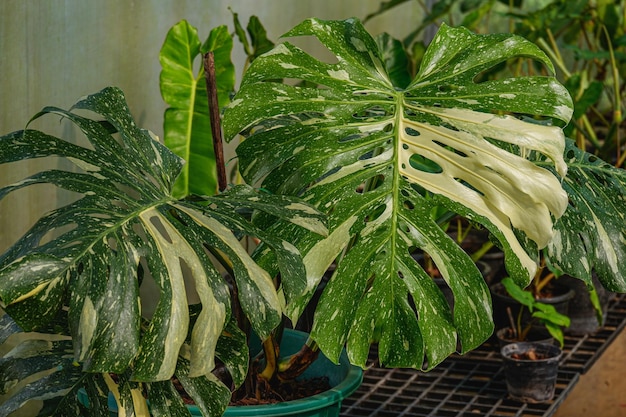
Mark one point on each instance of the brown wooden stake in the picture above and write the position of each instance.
(214, 115)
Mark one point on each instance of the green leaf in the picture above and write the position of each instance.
(589, 97)
(518, 294)
(396, 60)
(37, 367)
(547, 313)
(210, 395)
(232, 349)
(556, 332)
(258, 44)
(378, 160)
(165, 401)
(258, 36)
(187, 126)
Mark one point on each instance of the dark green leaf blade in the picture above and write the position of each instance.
(591, 233)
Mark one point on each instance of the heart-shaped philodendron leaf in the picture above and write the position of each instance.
(378, 158)
(187, 126)
(125, 228)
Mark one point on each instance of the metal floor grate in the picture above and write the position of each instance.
(473, 384)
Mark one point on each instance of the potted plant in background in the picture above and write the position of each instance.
(530, 357)
(373, 151)
(541, 318)
(544, 288)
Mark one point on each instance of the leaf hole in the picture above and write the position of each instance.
(149, 291)
(57, 232)
(468, 185)
(371, 113)
(325, 175)
(156, 221)
(375, 214)
(449, 126)
(450, 148)
(129, 191)
(366, 156)
(409, 205)
(421, 163)
(411, 132)
(447, 88)
(315, 48)
(352, 137)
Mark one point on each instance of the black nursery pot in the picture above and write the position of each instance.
(582, 313)
(531, 380)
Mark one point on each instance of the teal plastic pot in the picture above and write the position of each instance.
(343, 378)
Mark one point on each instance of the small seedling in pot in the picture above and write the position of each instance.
(544, 314)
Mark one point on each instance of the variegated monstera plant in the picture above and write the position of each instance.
(75, 276)
(376, 154)
(379, 156)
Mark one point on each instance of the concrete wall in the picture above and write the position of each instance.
(55, 51)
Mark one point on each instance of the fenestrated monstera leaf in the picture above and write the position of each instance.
(591, 235)
(377, 158)
(90, 257)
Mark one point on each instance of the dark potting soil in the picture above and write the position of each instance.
(281, 392)
(287, 391)
(530, 355)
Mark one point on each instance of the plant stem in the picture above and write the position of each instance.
(297, 363)
(214, 115)
(512, 322)
(482, 251)
(272, 351)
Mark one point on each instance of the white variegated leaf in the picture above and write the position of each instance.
(591, 235)
(91, 256)
(377, 158)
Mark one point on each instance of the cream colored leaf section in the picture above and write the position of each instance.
(173, 247)
(258, 275)
(506, 188)
(211, 320)
(140, 405)
(318, 260)
(309, 223)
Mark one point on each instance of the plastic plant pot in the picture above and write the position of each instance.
(531, 380)
(343, 378)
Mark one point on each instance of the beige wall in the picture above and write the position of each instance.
(53, 52)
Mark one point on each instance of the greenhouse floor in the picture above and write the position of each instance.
(590, 382)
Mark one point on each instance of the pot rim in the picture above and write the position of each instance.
(554, 352)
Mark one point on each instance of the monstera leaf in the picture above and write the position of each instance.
(591, 235)
(377, 158)
(89, 258)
